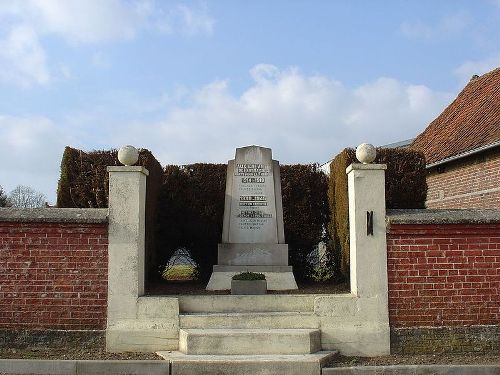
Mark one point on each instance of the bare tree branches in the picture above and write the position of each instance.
(26, 197)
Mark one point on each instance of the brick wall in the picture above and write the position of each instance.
(53, 275)
(443, 274)
(472, 182)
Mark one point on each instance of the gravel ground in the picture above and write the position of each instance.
(98, 353)
(429, 359)
(73, 353)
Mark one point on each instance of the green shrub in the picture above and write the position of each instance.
(249, 276)
(405, 187)
(84, 183)
(185, 206)
(305, 214)
(191, 210)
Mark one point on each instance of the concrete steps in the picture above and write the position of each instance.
(303, 364)
(246, 303)
(249, 320)
(236, 334)
(249, 341)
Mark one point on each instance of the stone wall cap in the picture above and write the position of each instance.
(443, 216)
(133, 168)
(359, 166)
(54, 215)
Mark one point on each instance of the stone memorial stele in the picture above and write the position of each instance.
(253, 236)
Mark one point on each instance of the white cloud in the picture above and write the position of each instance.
(452, 24)
(465, 71)
(22, 59)
(185, 20)
(31, 147)
(89, 21)
(98, 21)
(27, 22)
(303, 118)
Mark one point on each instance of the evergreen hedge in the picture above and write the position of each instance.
(185, 206)
(84, 183)
(305, 213)
(192, 208)
(405, 187)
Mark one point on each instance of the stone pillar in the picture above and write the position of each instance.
(127, 199)
(368, 248)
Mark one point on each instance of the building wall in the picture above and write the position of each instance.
(444, 284)
(443, 281)
(53, 275)
(472, 182)
(443, 275)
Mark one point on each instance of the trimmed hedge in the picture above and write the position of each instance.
(305, 213)
(84, 183)
(405, 187)
(192, 208)
(185, 206)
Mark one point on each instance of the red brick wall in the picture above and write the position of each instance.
(443, 274)
(53, 276)
(471, 183)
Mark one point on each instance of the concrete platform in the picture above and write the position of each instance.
(250, 320)
(221, 280)
(234, 303)
(83, 367)
(305, 364)
(249, 341)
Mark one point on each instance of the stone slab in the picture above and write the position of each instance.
(249, 287)
(303, 364)
(30, 366)
(55, 215)
(239, 254)
(224, 268)
(228, 303)
(143, 335)
(128, 168)
(448, 216)
(136, 367)
(268, 320)
(275, 280)
(249, 341)
(73, 367)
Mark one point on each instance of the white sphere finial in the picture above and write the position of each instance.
(128, 155)
(366, 153)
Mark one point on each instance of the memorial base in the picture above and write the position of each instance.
(278, 277)
(242, 254)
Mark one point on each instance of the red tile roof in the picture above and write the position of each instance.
(470, 122)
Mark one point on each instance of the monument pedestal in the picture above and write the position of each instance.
(243, 254)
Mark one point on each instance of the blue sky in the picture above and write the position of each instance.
(193, 80)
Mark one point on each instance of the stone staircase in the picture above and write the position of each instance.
(271, 334)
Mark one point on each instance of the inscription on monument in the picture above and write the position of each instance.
(253, 207)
